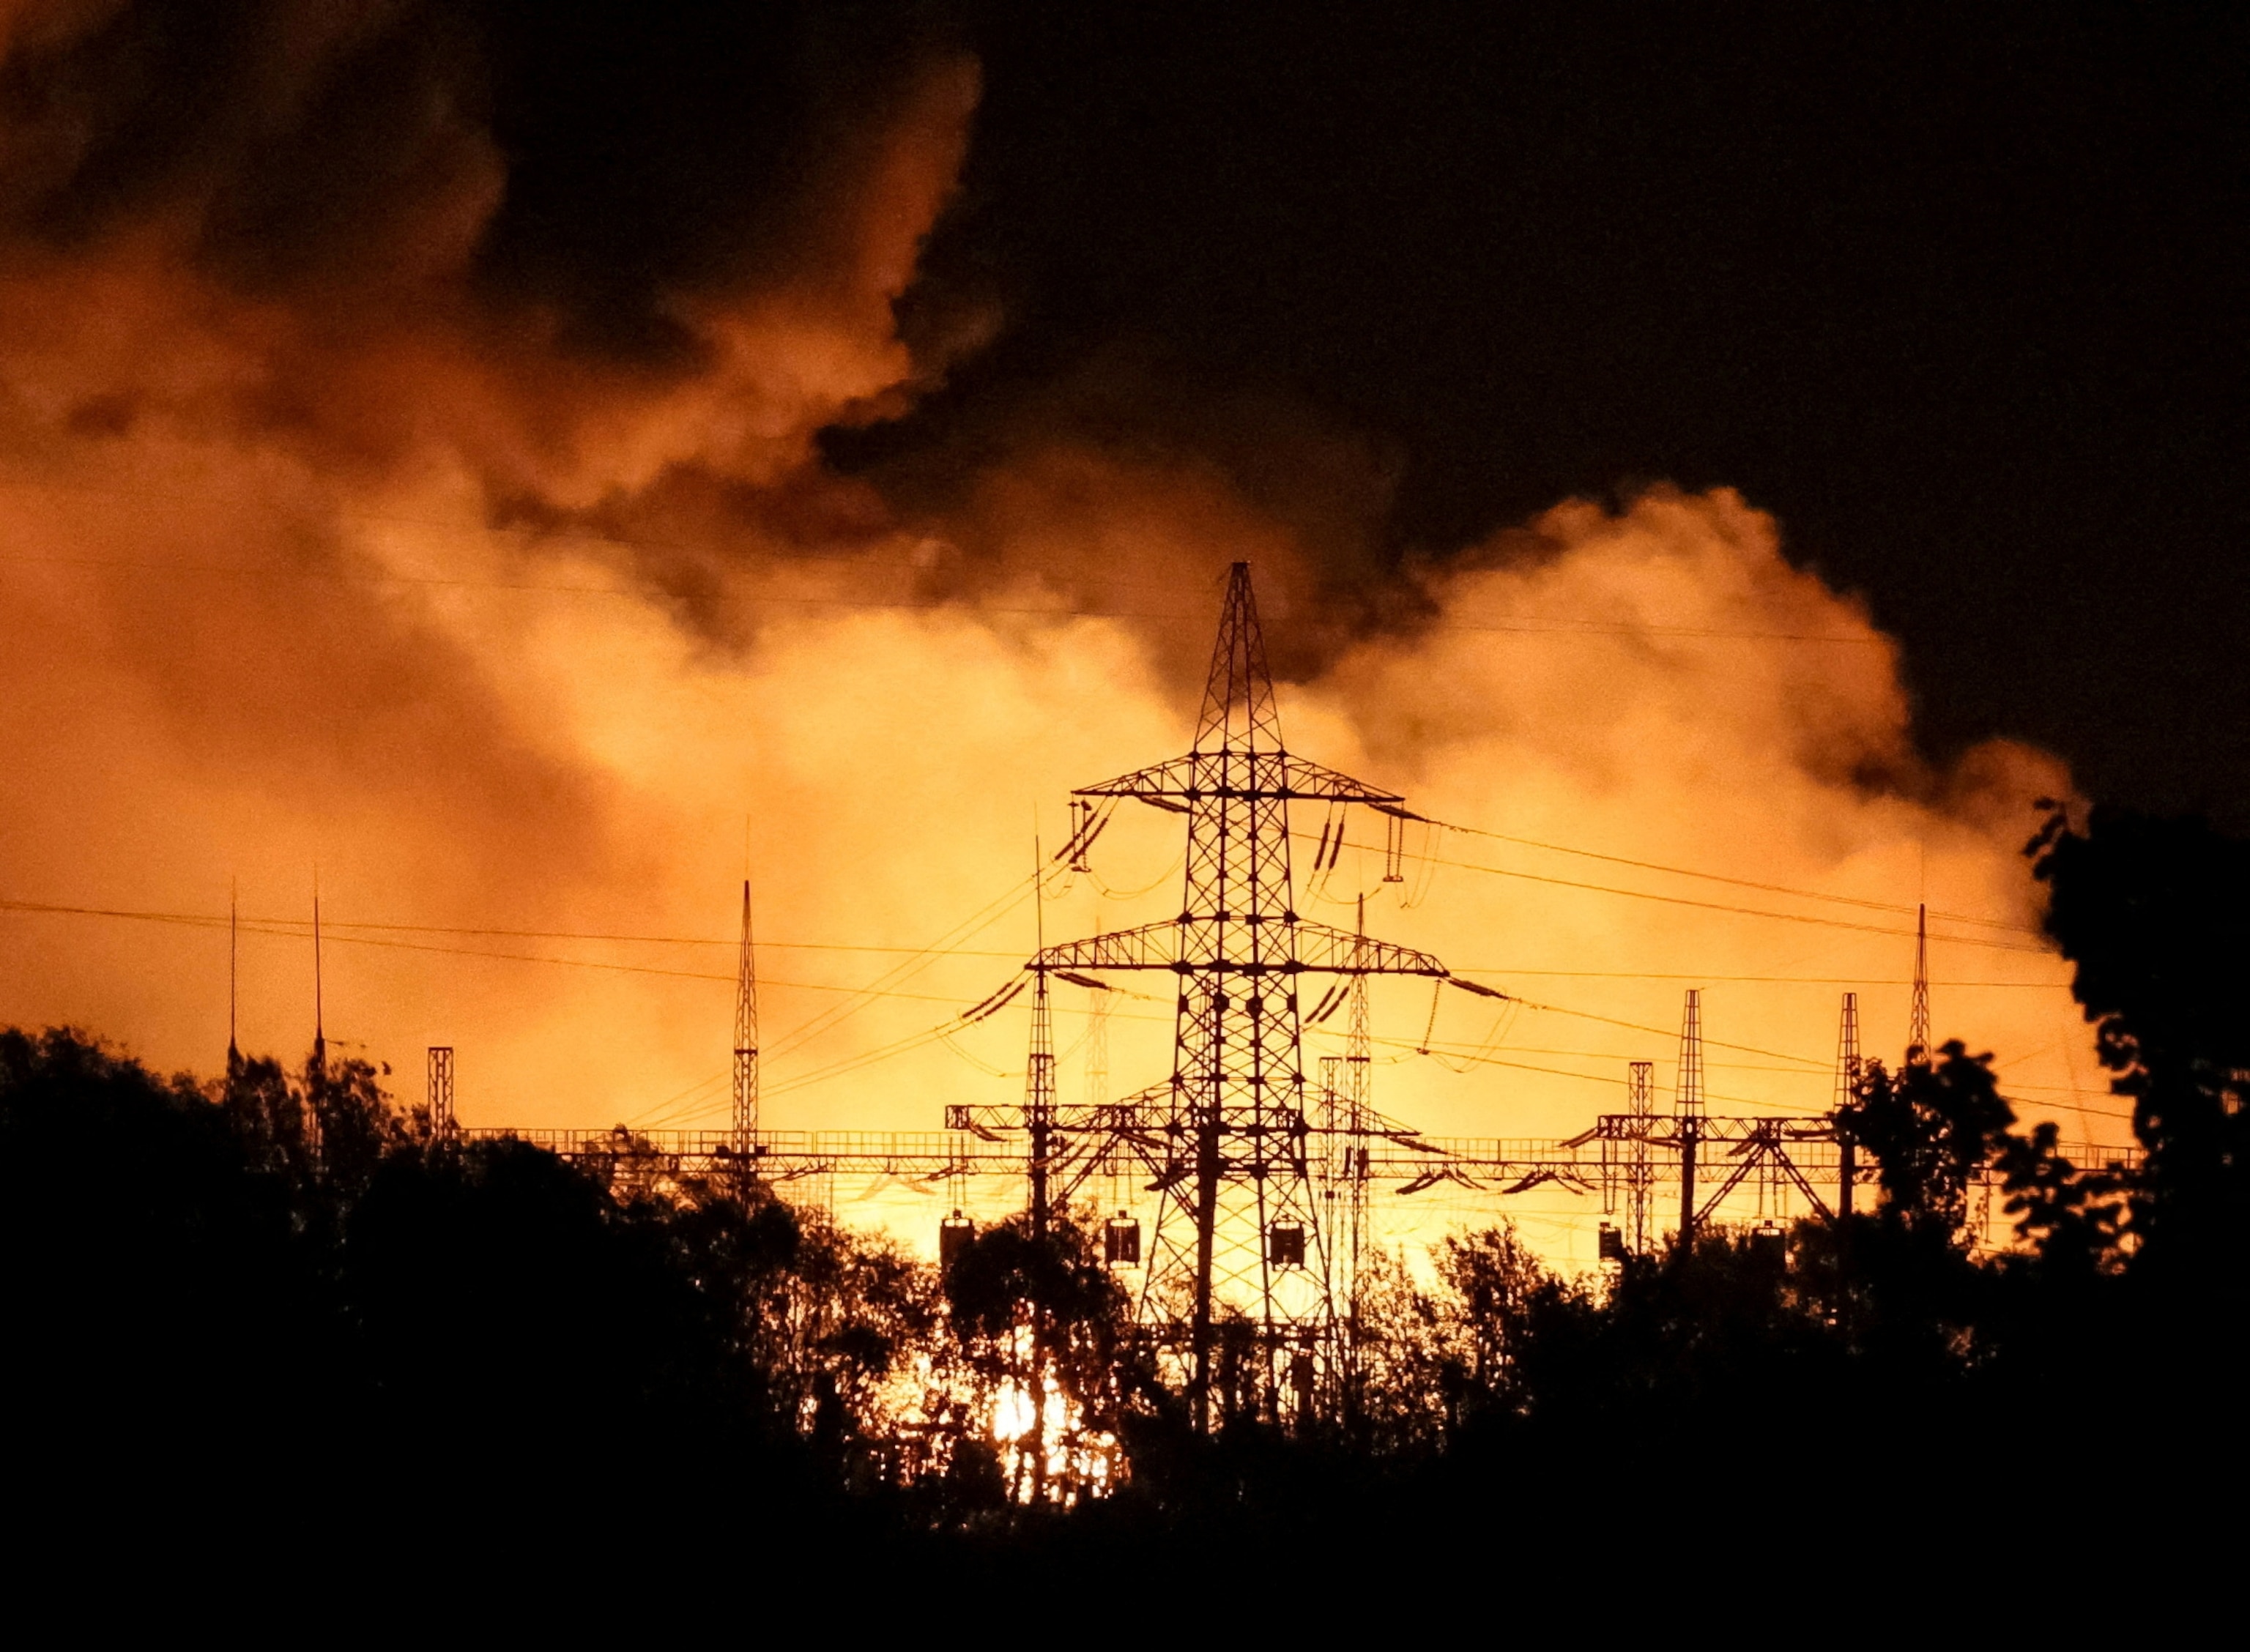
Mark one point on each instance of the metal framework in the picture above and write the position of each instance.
(1917, 1026)
(1239, 1234)
(1687, 1109)
(1628, 1165)
(1847, 1090)
(441, 1125)
(745, 1068)
(1262, 1206)
(1802, 1152)
(780, 1157)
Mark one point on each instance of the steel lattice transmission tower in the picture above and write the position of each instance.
(1847, 1051)
(1687, 1109)
(1917, 1026)
(1039, 1102)
(1847, 1091)
(1238, 1238)
(441, 1125)
(745, 1132)
(1640, 1170)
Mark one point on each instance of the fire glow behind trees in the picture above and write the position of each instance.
(357, 516)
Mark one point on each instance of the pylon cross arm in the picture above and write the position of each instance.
(1265, 774)
(1150, 946)
(1312, 948)
(982, 1119)
(1338, 952)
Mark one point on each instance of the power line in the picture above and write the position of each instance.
(1705, 906)
(1634, 1026)
(300, 927)
(1742, 882)
(296, 930)
(1774, 981)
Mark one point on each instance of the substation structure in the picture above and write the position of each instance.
(1262, 1177)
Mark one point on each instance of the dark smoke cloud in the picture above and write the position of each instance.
(640, 158)
(412, 465)
(492, 229)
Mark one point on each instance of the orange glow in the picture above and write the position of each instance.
(508, 644)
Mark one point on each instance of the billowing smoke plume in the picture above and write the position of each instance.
(407, 469)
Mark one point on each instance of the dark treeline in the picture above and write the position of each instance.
(206, 1313)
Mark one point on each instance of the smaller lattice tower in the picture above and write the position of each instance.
(745, 1132)
(320, 1010)
(1847, 1090)
(1640, 1168)
(1040, 1068)
(1039, 1102)
(316, 1087)
(1687, 1094)
(441, 1092)
(1687, 1109)
(1917, 1026)
(1847, 1050)
(233, 979)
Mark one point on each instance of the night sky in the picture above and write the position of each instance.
(1958, 292)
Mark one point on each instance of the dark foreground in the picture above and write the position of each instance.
(270, 1374)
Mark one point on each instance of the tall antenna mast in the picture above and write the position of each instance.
(1917, 1026)
(746, 1054)
(319, 1031)
(233, 972)
(317, 1084)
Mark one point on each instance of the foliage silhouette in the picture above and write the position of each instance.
(280, 1280)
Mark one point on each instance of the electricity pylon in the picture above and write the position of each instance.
(1687, 1110)
(1917, 1026)
(1237, 1230)
(1639, 1172)
(745, 1132)
(1847, 1090)
(442, 1124)
(1040, 1076)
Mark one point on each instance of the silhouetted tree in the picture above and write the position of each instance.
(165, 1312)
(358, 1125)
(1930, 1128)
(1029, 1308)
(1490, 1280)
(2156, 916)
